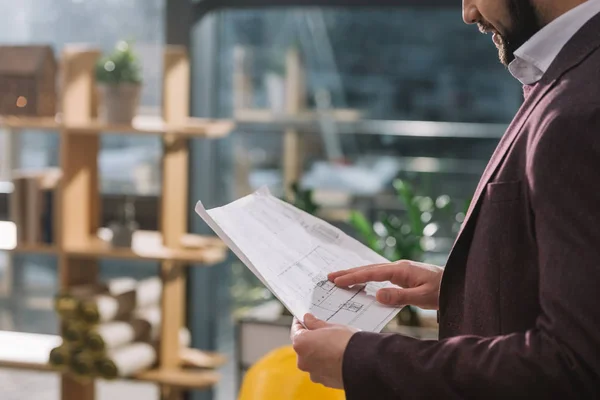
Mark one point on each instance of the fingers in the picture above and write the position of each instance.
(399, 297)
(313, 322)
(297, 329)
(396, 273)
(310, 323)
(334, 275)
(302, 342)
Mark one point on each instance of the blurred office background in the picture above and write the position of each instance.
(392, 90)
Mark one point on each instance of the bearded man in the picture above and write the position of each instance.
(518, 302)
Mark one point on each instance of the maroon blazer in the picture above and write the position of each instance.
(520, 296)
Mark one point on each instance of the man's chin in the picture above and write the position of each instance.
(504, 53)
(506, 57)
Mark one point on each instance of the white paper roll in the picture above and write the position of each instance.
(148, 292)
(115, 334)
(108, 307)
(154, 316)
(133, 358)
(118, 286)
(136, 357)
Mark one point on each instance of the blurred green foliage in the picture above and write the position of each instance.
(406, 237)
(120, 66)
(303, 199)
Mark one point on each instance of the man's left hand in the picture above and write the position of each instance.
(320, 348)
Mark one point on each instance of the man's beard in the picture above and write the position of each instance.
(525, 24)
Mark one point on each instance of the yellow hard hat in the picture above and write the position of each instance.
(277, 377)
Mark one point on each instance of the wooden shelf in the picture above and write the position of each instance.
(26, 350)
(148, 245)
(195, 358)
(25, 365)
(37, 248)
(29, 351)
(266, 116)
(193, 127)
(183, 378)
(41, 123)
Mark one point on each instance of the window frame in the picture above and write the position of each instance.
(203, 6)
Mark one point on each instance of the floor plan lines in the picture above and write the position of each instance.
(316, 263)
(293, 252)
(352, 306)
(325, 284)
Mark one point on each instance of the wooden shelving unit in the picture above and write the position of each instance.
(29, 351)
(76, 210)
(96, 248)
(39, 248)
(294, 113)
(190, 127)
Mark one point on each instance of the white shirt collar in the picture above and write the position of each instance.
(535, 56)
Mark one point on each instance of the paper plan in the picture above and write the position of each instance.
(292, 252)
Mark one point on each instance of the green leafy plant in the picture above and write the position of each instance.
(303, 199)
(396, 237)
(120, 66)
(405, 237)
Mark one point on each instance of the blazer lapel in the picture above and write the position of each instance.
(502, 150)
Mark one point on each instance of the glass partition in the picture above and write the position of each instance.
(346, 102)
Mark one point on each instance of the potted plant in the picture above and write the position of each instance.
(119, 85)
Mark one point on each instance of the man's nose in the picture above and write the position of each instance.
(470, 12)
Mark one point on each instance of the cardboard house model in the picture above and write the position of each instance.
(27, 81)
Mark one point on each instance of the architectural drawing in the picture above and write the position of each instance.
(292, 253)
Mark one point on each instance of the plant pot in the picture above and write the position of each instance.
(118, 104)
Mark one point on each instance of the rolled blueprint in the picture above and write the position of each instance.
(74, 331)
(148, 292)
(133, 358)
(60, 356)
(106, 307)
(66, 301)
(82, 364)
(143, 327)
(127, 360)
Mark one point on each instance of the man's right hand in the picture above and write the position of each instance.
(420, 283)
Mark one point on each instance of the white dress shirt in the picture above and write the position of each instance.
(534, 57)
